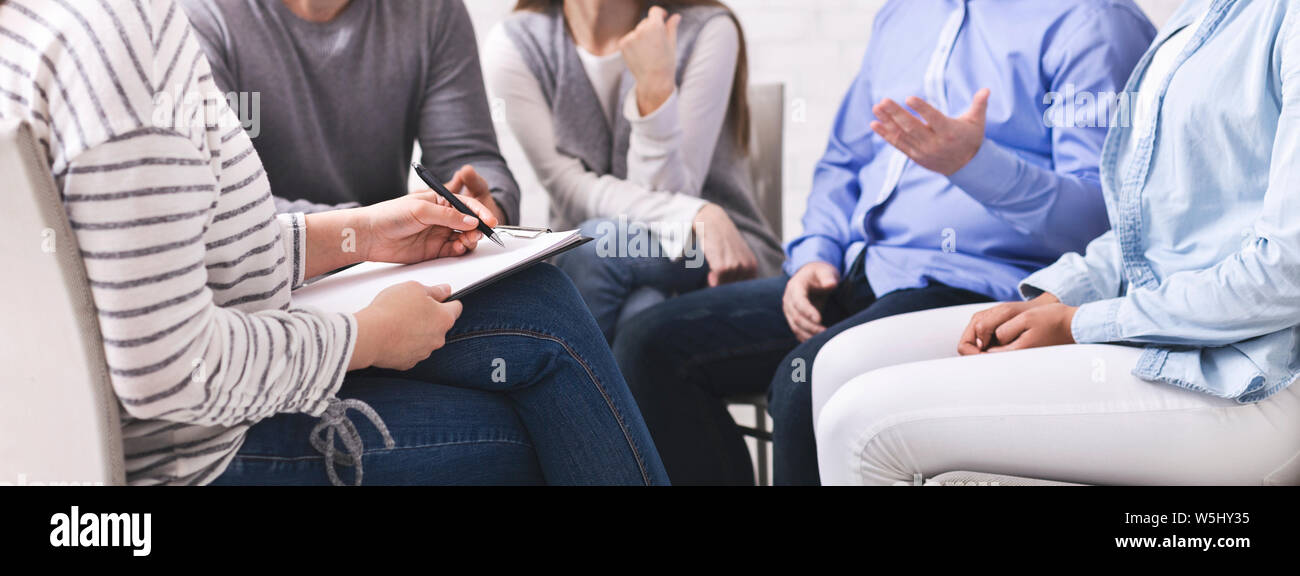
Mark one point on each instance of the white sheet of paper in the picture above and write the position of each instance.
(354, 288)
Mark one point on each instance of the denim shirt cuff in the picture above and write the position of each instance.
(990, 175)
(810, 249)
(1095, 323)
(1064, 280)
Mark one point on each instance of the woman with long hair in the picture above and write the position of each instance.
(634, 118)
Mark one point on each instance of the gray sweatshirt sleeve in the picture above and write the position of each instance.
(455, 119)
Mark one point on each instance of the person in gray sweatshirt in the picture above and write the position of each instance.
(335, 93)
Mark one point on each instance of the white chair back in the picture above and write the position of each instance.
(58, 413)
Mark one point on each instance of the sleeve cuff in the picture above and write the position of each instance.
(1067, 279)
(810, 249)
(1095, 322)
(661, 125)
(989, 175)
(510, 209)
(293, 233)
(344, 329)
(503, 187)
(685, 209)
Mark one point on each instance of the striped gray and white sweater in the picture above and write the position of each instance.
(189, 266)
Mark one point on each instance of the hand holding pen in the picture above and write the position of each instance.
(455, 202)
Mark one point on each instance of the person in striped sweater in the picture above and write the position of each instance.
(221, 379)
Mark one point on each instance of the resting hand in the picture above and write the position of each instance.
(935, 141)
(729, 256)
(1043, 321)
(805, 294)
(403, 326)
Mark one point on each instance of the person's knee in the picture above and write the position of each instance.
(846, 415)
(548, 283)
(641, 345)
(856, 432)
(854, 352)
(604, 234)
(581, 261)
(590, 264)
(598, 227)
(548, 299)
(654, 353)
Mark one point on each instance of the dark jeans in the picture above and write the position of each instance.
(686, 356)
(524, 392)
(618, 288)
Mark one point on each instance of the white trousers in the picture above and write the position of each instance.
(892, 399)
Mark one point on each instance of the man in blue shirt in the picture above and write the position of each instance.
(991, 175)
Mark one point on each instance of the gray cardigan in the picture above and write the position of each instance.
(581, 130)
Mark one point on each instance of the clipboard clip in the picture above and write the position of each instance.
(525, 232)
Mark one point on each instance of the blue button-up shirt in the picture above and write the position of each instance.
(1031, 194)
(1203, 264)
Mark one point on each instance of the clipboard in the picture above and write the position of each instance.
(523, 231)
(579, 240)
(352, 289)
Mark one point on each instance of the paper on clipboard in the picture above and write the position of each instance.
(354, 288)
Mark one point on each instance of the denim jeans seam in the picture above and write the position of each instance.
(591, 375)
(312, 457)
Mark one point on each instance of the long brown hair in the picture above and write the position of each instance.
(738, 113)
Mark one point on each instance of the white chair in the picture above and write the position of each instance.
(767, 165)
(58, 413)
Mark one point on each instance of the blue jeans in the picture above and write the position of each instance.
(617, 288)
(524, 392)
(684, 358)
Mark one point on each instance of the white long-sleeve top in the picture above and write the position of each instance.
(189, 267)
(670, 149)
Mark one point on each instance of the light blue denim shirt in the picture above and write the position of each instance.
(1203, 261)
(1033, 191)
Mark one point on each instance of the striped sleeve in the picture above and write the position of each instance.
(293, 233)
(189, 267)
(175, 352)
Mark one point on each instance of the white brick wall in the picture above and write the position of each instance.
(813, 46)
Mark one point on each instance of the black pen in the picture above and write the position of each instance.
(455, 202)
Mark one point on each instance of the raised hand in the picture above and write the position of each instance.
(935, 141)
(650, 51)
